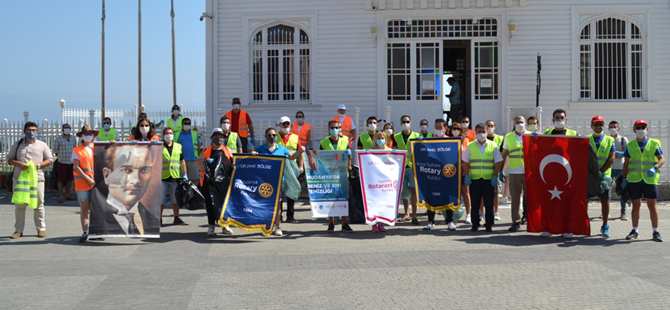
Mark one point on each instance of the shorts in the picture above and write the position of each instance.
(407, 183)
(169, 188)
(84, 195)
(65, 172)
(640, 189)
(192, 172)
(603, 195)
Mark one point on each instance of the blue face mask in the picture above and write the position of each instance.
(31, 135)
(106, 126)
(334, 132)
(381, 142)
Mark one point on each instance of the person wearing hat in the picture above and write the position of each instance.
(642, 160)
(292, 143)
(175, 120)
(84, 181)
(603, 145)
(213, 196)
(240, 123)
(348, 125)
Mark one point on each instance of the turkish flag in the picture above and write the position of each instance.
(556, 178)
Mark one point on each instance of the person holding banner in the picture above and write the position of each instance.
(144, 131)
(82, 159)
(603, 145)
(482, 163)
(389, 131)
(214, 192)
(449, 214)
(380, 144)
(456, 132)
(333, 143)
(366, 141)
(402, 141)
(174, 167)
(292, 143)
(513, 148)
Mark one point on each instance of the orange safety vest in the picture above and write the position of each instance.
(303, 132)
(243, 127)
(154, 138)
(346, 125)
(207, 154)
(86, 164)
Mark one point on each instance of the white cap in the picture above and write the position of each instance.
(341, 106)
(216, 131)
(284, 119)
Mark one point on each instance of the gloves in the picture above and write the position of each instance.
(624, 183)
(155, 141)
(253, 141)
(210, 161)
(467, 181)
(619, 153)
(502, 177)
(494, 182)
(535, 134)
(652, 172)
(347, 153)
(133, 141)
(420, 138)
(601, 175)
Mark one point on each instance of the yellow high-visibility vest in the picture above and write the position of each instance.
(25, 189)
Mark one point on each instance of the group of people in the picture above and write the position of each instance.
(484, 154)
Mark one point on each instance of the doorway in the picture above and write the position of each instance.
(457, 64)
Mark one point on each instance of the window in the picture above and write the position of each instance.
(443, 28)
(610, 60)
(281, 70)
(486, 71)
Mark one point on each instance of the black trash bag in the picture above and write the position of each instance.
(189, 196)
(621, 192)
(593, 187)
(218, 177)
(53, 179)
(356, 211)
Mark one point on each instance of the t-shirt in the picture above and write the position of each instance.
(37, 152)
(456, 99)
(186, 141)
(88, 149)
(559, 133)
(235, 122)
(642, 145)
(620, 143)
(520, 170)
(279, 150)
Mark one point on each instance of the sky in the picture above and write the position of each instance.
(52, 50)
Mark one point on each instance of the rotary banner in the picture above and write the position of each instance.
(253, 196)
(437, 173)
(328, 186)
(381, 175)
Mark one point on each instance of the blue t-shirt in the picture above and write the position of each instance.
(280, 150)
(642, 145)
(599, 140)
(456, 99)
(187, 146)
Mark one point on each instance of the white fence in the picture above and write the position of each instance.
(119, 117)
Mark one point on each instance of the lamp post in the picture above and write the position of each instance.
(62, 107)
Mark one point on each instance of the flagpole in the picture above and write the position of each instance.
(102, 101)
(139, 56)
(174, 67)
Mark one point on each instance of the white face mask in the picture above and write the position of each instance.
(388, 132)
(491, 130)
(87, 138)
(406, 126)
(168, 138)
(284, 130)
(641, 133)
(187, 127)
(175, 112)
(299, 120)
(67, 131)
(144, 129)
(225, 126)
(439, 132)
(465, 125)
(520, 128)
(372, 127)
(597, 133)
(481, 137)
(614, 132)
(532, 127)
(236, 106)
(456, 133)
(342, 114)
(424, 127)
(559, 124)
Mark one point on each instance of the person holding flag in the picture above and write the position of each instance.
(333, 143)
(533, 125)
(402, 141)
(603, 145)
(560, 118)
(449, 216)
(642, 160)
(215, 192)
(513, 149)
(366, 141)
(482, 163)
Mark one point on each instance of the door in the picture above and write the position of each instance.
(485, 90)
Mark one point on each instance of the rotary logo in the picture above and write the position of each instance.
(449, 170)
(265, 190)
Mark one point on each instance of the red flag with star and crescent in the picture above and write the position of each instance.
(556, 178)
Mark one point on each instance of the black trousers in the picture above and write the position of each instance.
(482, 189)
(449, 216)
(290, 209)
(244, 141)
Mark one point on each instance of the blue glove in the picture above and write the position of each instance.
(155, 141)
(535, 134)
(619, 153)
(467, 181)
(494, 182)
(210, 161)
(133, 141)
(420, 138)
(347, 153)
(624, 183)
(601, 175)
(652, 172)
(184, 177)
(502, 177)
(253, 141)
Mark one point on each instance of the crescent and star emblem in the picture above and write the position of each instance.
(553, 158)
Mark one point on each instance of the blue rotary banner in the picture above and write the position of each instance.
(437, 172)
(253, 196)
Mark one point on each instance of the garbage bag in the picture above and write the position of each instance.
(356, 211)
(189, 196)
(291, 185)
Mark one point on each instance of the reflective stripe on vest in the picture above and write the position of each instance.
(481, 165)
(640, 162)
(171, 162)
(111, 135)
(302, 133)
(342, 144)
(346, 125)
(291, 144)
(242, 127)
(86, 165)
(175, 127)
(569, 132)
(515, 150)
(25, 189)
(366, 140)
(603, 153)
(232, 142)
(400, 143)
(206, 154)
(194, 140)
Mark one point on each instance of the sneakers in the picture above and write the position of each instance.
(624, 217)
(567, 235)
(633, 235)
(291, 221)
(657, 237)
(331, 227)
(429, 226)
(210, 231)
(523, 221)
(375, 228)
(489, 229)
(468, 219)
(514, 228)
(178, 221)
(226, 230)
(481, 217)
(16, 235)
(605, 230)
(41, 234)
(545, 234)
(346, 228)
(381, 227)
(451, 226)
(496, 217)
(278, 232)
(415, 221)
(83, 237)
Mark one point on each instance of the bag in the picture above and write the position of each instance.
(457, 214)
(356, 211)
(53, 179)
(189, 196)
(218, 177)
(624, 193)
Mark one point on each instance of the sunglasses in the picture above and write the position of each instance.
(271, 136)
(286, 123)
(187, 124)
(407, 122)
(640, 128)
(334, 127)
(423, 124)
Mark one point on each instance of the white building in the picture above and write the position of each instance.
(607, 57)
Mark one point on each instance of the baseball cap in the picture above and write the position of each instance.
(640, 122)
(597, 118)
(341, 106)
(284, 119)
(216, 131)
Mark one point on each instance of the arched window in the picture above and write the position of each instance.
(281, 70)
(611, 60)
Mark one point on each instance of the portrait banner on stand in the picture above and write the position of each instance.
(126, 197)
(253, 196)
(328, 185)
(437, 173)
(381, 175)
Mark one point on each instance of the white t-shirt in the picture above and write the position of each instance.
(520, 170)
(497, 157)
(620, 143)
(88, 149)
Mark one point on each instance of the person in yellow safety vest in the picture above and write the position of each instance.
(560, 118)
(190, 146)
(107, 133)
(512, 148)
(230, 139)
(365, 141)
(423, 125)
(379, 143)
(603, 145)
(498, 140)
(347, 123)
(240, 123)
(174, 168)
(533, 125)
(84, 180)
(643, 159)
(482, 163)
(292, 143)
(333, 142)
(302, 129)
(402, 143)
(175, 121)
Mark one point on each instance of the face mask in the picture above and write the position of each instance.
(225, 126)
(491, 130)
(299, 120)
(168, 138)
(87, 138)
(439, 132)
(334, 132)
(284, 130)
(614, 132)
(372, 127)
(424, 127)
(597, 133)
(217, 141)
(520, 128)
(388, 132)
(271, 139)
(175, 112)
(532, 127)
(144, 130)
(641, 133)
(456, 133)
(406, 126)
(481, 137)
(67, 131)
(106, 126)
(465, 125)
(559, 125)
(187, 127)
(381, 142)
(343, 114)
(236, 106)
(31, 135)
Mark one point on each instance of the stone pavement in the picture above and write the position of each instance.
(308, 268)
